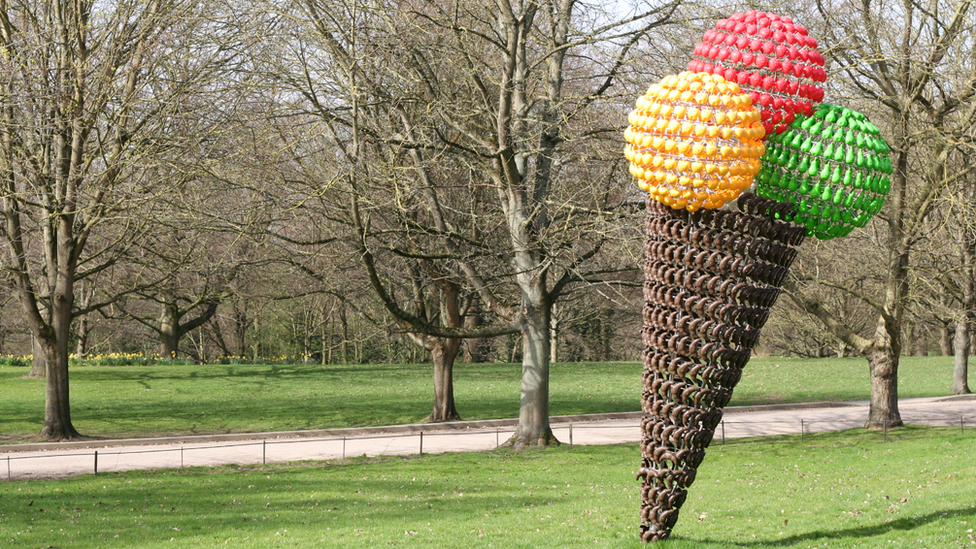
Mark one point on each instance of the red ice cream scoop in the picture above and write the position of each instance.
(772, 58)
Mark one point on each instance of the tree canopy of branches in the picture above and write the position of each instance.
(912, 67)
(94, 111)
(461, 127)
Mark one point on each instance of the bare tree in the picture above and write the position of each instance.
(90, 94)
(945, 272)
(966, 245)
(911, 66)
(498, 98)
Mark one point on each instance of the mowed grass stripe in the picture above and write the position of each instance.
(837, 490)
(142, 401)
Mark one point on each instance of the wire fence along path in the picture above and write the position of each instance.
(406, 440)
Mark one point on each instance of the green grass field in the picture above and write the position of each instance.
(837, 490)
(140, 401)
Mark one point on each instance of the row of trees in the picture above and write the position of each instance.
(396, 179)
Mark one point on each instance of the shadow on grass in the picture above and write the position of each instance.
(215, 371)
(572, 494)
(861, 532)
(254, 500)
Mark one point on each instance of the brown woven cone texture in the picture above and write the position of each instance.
(710, 280)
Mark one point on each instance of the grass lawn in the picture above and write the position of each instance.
(139, 401)
(837, 490)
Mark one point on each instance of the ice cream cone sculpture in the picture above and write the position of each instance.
(718, 249)
(710, 280)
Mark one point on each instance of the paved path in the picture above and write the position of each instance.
(52, 460)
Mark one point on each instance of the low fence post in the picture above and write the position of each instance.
(264, 452)
(343, 448)
(570, 434)
(96, 462)
(801, 430)
(723, 431)
(421, 444)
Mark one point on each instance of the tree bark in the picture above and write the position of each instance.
(945, 339)
(533, 426)
(168, 346)
(444, 351)
(57, 409)
(241, 324)
(171, 330)
(960, 371)
(841, 349)
(83, 326)
(475, 349)
(910, 344)
(882, 353)
(883, 410)
(963, 340)
(38, 361)
(443, 355)
(920, 340)
(554, 341)
(217, 334)
(344, 331)
(169, 340)
(81, 335)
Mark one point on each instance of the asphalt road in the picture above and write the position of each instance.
(52, 460)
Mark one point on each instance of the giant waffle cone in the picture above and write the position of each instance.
(710, 280)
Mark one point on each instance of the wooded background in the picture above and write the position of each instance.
(359, 181)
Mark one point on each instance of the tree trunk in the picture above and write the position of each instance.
(882, 354)
(513, 351)
(885, 351)
(169, 331)
(476, 349)
(200, 345)
(607, 329)
(81, 346)
(217, 335)
(83, 326)
(38, 361)
(841, 349)
(920, 340)
(554, 341)
(241, 324)
(326, 348)
(963, 341)
(57, 410)
(443, 352)
(533, 426)
(960, 371)
(169, 346)
(344, 325)
(911, 344)
(883, 411)
(945, 339)
(443, 355)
